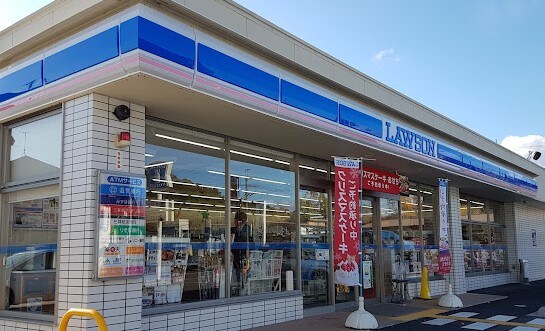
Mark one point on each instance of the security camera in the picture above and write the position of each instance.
(537, 155)
(122, 112)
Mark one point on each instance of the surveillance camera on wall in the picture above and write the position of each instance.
(122, 112)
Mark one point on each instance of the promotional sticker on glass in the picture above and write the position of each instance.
(121, 228)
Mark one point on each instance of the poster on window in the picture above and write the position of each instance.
(444, 254)
(28, 214)
(121, 225)
(50, 213)
(346, 239)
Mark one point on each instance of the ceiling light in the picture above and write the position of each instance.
(187, 141)
(158, 164)
(252, 155)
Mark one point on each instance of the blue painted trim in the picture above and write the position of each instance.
(140, 33)
(311, 102)
(238, 73)
(21, 81)
(151, 37)
(360, 121)
(85, 54)
(10, 250)
(316, 245)
(472, 163)
(448, 154)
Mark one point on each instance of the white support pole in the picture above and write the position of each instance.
(361, 319)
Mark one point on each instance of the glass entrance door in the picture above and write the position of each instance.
(391, 241)
(315, 247)
(369, 250)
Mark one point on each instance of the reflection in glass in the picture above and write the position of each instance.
(29, 270)
(389, 221)
(185, 227)
(478, 211)
(315, 247)
(35, 150)
(369, 250)
(412, 237)
(264, 191)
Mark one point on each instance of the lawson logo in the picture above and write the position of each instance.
(410, 140)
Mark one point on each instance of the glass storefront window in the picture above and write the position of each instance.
(185, 219)
(499, 248)
(264, 246)
(481, 247)
(35, 149)
(484, 244)
(391, 240)
(412, 236)
(477, 211)
(464, 214)
(430, 229)
(466, 237)
(314, 247)
(30, 217)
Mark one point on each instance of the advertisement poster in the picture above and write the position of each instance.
(121, 228)
(444, 254)
(367, 274)
(50, 213)
(380, 181)
(346, 241)
(36, 214)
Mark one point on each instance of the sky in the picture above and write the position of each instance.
(478, 62)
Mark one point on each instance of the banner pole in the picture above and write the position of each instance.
(361, 319)
(449, 300)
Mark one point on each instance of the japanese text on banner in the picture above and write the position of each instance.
(347, 216)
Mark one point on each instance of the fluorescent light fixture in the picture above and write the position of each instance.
(171, 193)
(252, 155)
(321, 170)
(187, 141)
(412, 189)
(158, 164)
(306, 167)
(464, 200)
(427, 206)
(332, 172)
(426, 210)
(368, 207)
(279, 195)
(282, 162)
(173, 182)
(148, 155)
(212, 187)
(427, 192)
(409, 203)
(253, 192)
(477, 203)
(199, 204)
(283, 205)
(307, 199)
(313, 208)
(269, 181)
(206, 197)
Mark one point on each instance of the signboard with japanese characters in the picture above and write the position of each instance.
(381, 181)
(121, 225)
(346, 239)
(444, 254)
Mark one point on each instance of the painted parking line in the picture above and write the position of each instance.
(536, 323)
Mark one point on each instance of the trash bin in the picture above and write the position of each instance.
(524, 271)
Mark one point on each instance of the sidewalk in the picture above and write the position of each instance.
(387, 314)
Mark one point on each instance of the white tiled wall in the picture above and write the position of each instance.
(477, 282)
(457, 271)
(233, 317)
(528, 219)
(89, 138)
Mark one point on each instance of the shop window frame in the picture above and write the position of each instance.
(7, 186)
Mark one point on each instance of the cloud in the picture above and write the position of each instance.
(522, 145)
(387, 55)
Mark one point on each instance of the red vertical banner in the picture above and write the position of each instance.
(346, 239)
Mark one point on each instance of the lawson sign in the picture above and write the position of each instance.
(404, 137)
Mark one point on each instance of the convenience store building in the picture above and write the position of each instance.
(131, 132)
